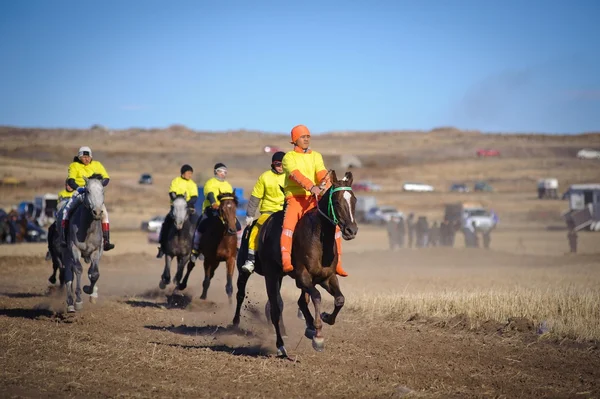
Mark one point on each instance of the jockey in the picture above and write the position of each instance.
(304, 169)
(83, 166)
(64, 196)
(212, 188)
(267, 191)
(181, 185)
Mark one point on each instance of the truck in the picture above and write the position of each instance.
(584, 207)
(458, 214)
(547, 188)
(45, 208)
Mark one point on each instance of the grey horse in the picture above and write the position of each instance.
(84, 240)
(178, 239)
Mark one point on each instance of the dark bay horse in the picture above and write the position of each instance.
(179, 233)
(55, 254)
(219, 243)
(314, 257)
(85, 240)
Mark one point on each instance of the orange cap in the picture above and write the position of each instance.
(299, 131)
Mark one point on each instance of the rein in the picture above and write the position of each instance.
(330, 215)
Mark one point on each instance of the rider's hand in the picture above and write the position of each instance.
(315, 190)
(80, 190)
(249, 220)
(215, 206)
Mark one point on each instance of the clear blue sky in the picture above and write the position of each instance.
(514, 66)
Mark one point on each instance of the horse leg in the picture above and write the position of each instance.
(52, 278)
(332, 286)
(310, 330)
(166, 276)
(179, 273)
(318, 342)
(280, 302)
(209, 272)
(242, 280)
(273, 293)
(78, 273)
(93, 275)
(69, 282)
(190, 266)
(229, 285)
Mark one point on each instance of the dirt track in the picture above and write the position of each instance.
(132, 344)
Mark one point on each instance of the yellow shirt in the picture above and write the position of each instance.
(64, 194)
(309, 164)
(268, 190)
(216, 187)
(181, 186)
(78, 171)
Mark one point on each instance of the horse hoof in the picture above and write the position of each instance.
(326, 317)
(182, 287)
(300, 315)
(318, 344)
(70, 309)
(93, 298)
(162, 285)
(87, 289)
(52, 280)
(281, 352)
(78, 305)
(310, 333)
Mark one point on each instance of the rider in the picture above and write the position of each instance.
(304, 169)
(212, 188)
(63, 197)
(267, 191)
(181, 185)
(83, 166)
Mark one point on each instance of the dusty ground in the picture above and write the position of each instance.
(132, 343)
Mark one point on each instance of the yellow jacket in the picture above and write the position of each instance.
(267, 190)
(216, 187)
(64, 194)
(78, 171)
(181, 186)
(302, 171)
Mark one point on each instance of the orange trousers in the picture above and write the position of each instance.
(296, 207)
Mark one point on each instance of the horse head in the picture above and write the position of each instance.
(338, 205)
(228, 203)
(94, 195)
(180, 211)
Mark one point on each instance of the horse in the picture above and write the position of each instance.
(55, 254)
(314, 257)
(179, 233)
(219, 243)
(85, 240)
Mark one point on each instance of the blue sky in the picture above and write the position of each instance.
(512, 66)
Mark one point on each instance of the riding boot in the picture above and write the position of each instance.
(106, 236)
(286, 254)
(338, 243)
(249, 265)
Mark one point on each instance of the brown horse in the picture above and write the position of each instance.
(218, 243)
(314, 257)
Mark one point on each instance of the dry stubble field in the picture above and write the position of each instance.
(520, 320)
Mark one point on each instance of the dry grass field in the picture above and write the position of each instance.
(519, 320)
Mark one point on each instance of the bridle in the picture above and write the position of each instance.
(221, 213)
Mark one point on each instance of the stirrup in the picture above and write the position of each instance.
(248, 266)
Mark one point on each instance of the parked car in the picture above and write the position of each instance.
(382, 215)
(418, 187)
(488, 152)
(587, 153)
(366, 185)
(153, 224)
(482, 186)
(145, 178)
(459, 187)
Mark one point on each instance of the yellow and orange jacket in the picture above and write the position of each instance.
(303, 170)
(78, 171)
(64, 195)
(181, 186)
(268, 190)
(216, 187)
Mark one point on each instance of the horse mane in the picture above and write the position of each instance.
(96, 176)
(227, 195)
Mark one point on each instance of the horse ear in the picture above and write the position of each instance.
(233, 192)
(348, 178)
(332, 176)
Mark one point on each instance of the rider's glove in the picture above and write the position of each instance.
(249, 220)
(80, 190)
(315, 190)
